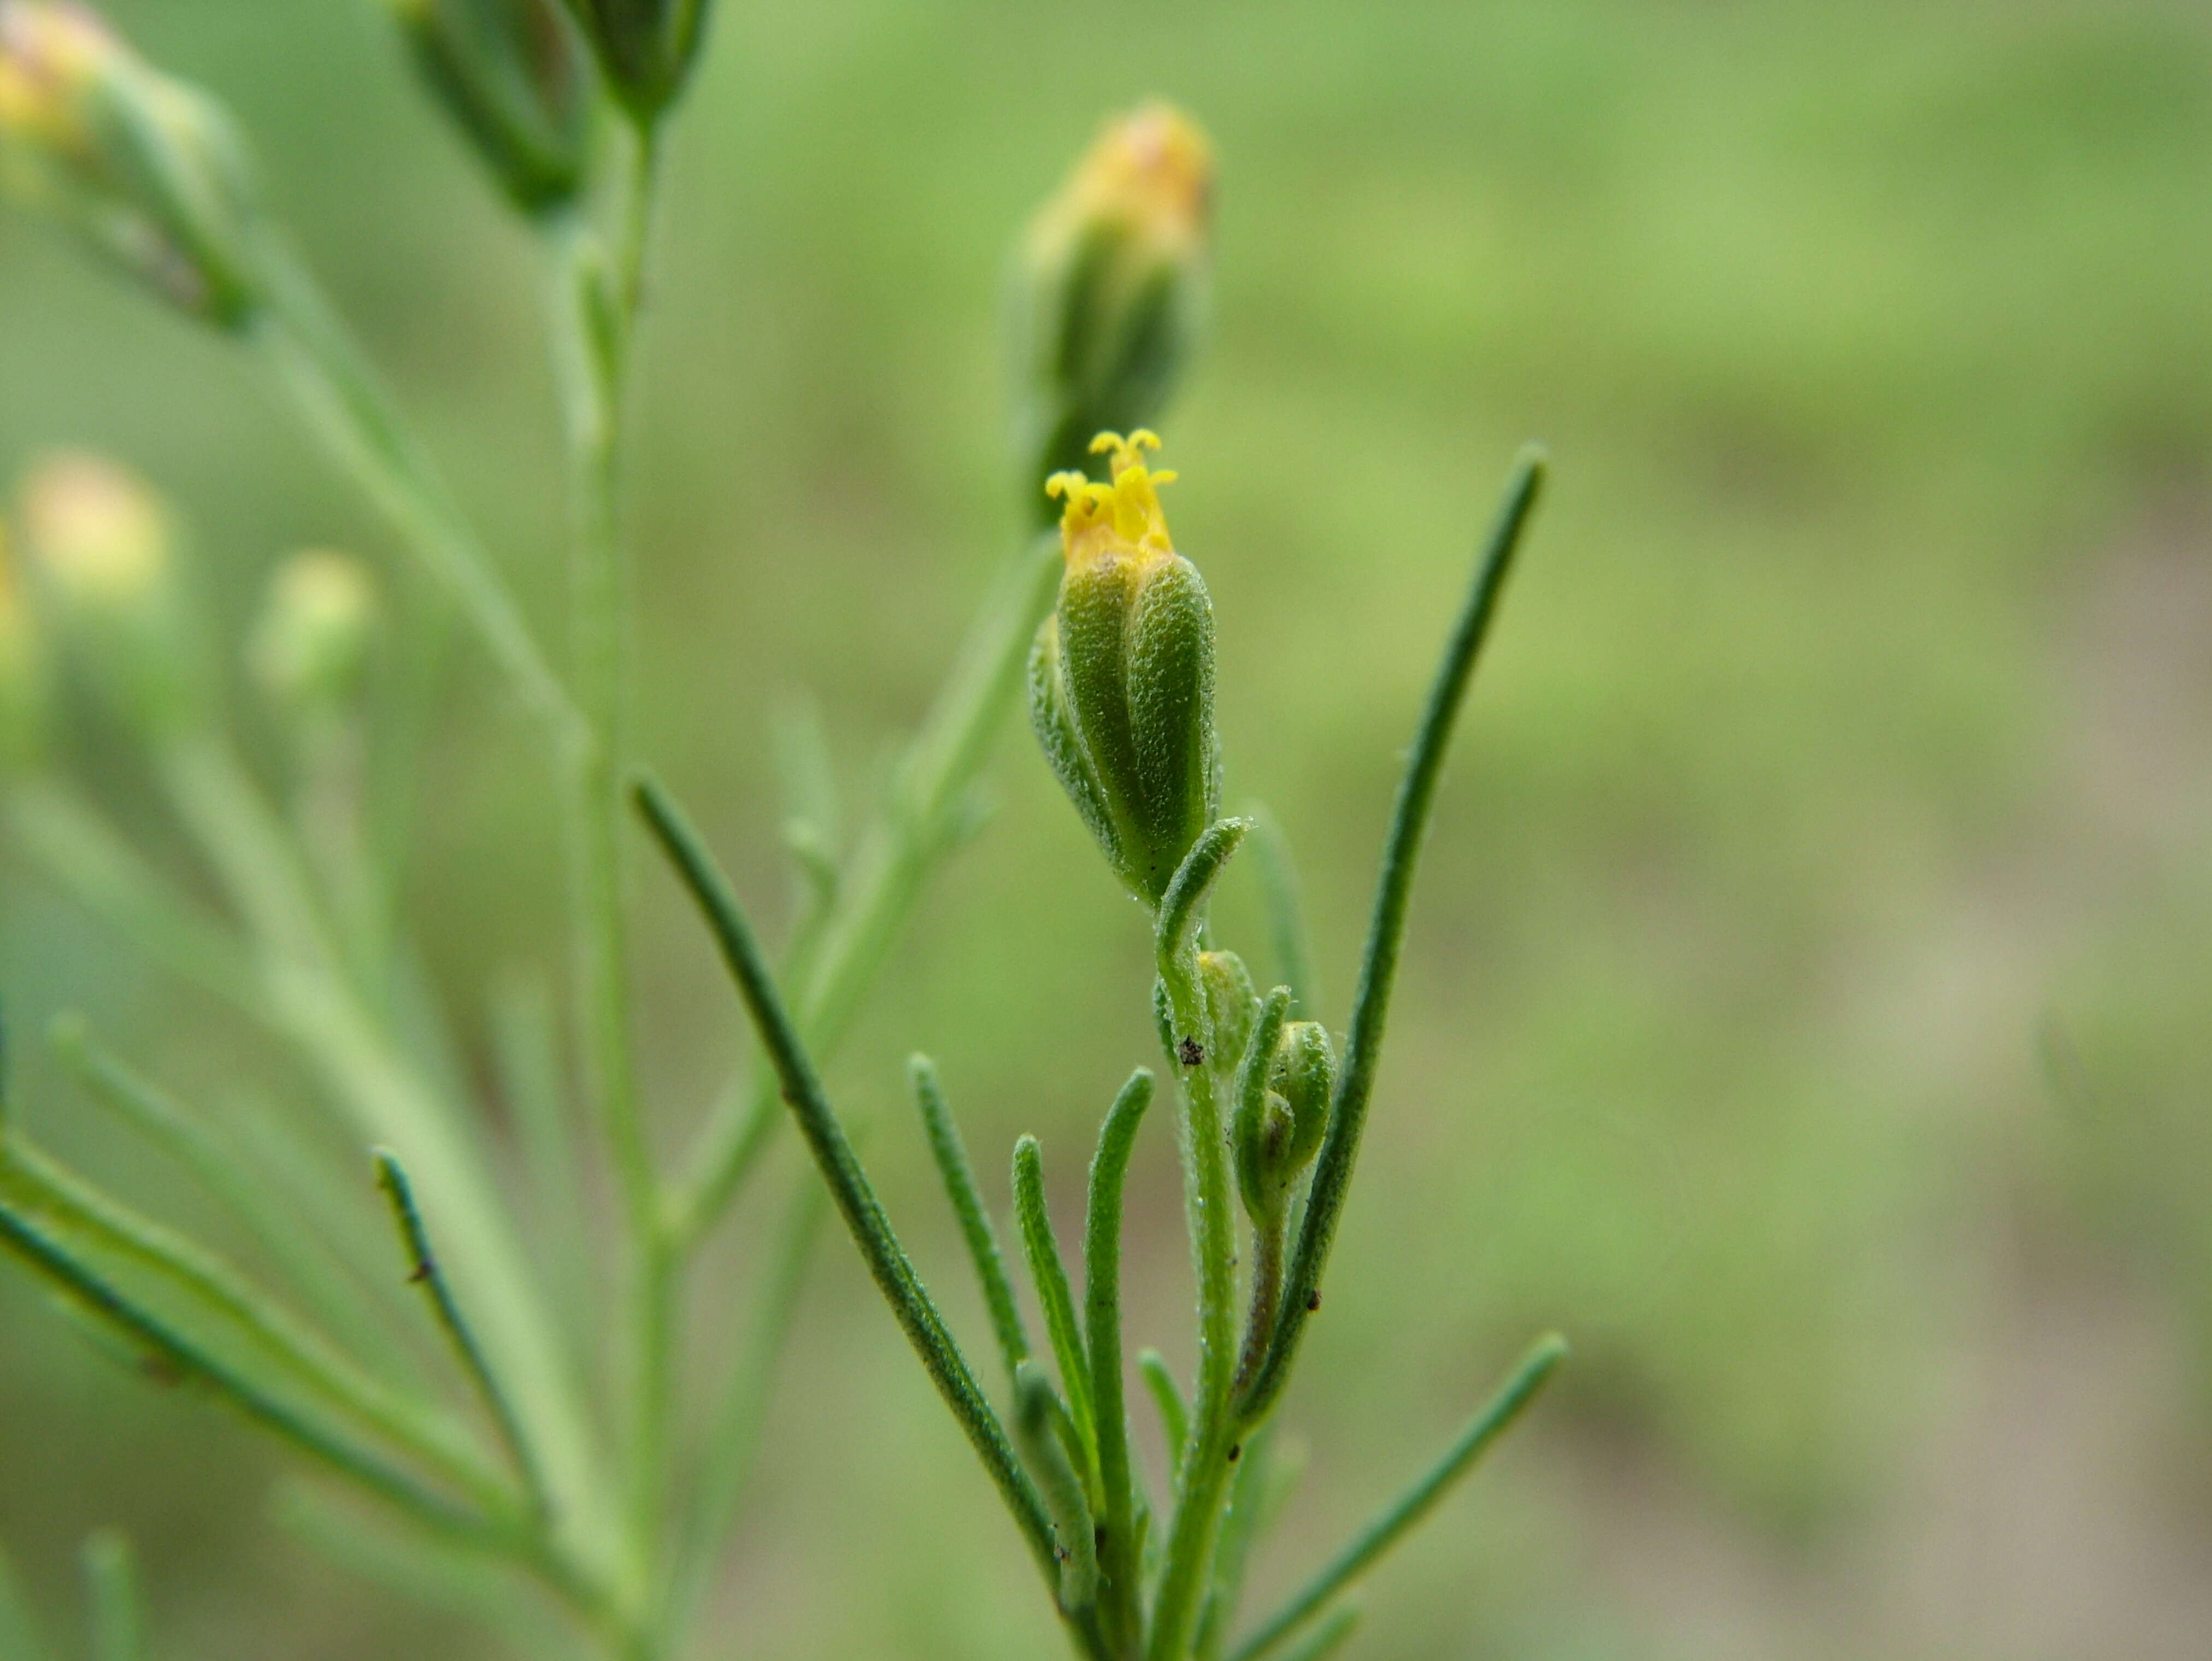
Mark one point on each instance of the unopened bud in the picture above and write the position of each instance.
(516, 77)
(309, 648)
(646, 48)
(103, 554)
(1122, 675)
(1303, 1073)
(145, 167)
(1110, 298)
(23, 675)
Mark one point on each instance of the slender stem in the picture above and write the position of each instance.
(1417, 792)
(424, 1272)
(974, 1218)
(600, 305)
(1042, 1430)
(1102, 1310)
(1205, 1463)
(849, 1184)
(1395, 1519)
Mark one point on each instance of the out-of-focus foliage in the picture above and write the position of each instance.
(1848, 719)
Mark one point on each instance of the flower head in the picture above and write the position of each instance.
(144, 167)
(1121, 676)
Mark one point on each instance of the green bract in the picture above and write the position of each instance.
(516, 78)
(645, 47)
(1122, 677)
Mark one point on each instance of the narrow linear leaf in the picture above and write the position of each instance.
(424, 1272)
(1049, 1274)
(1182, 907)
(1397, 1519)
(951, 1155)
(1120, 1552)
(195, 1319)
(1036, 1406)
(849, 1184)
(1409, 819)
(1166, 1398)
(1326, 1638)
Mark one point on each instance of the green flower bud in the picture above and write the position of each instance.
(646, 48)
(517, 78)
(23, 677)
(1109, 298)
(103, 553)
(1303, 1073)
(310, 647)
(145, 167)
(1261, 1127)
(1121, 676)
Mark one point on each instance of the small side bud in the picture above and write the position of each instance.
(103, 556)
(1109, 298)
(146, 168)
(1303, 1073)
(1121, 676)
(646, 48)
(310, 645)
(1262, 1126)
(517, 79)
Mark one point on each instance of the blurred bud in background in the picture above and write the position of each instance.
(645, 47)
(22, 675)
(1121, 674)
(102, 555)
(1109, 296)
(309, 649)
(518, 79)
(144, 167)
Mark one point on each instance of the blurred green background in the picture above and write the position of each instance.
(1843, 750)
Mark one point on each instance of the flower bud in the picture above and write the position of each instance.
(645, 47)
(1303, 1073)
(517, 78)
(145, 167)
(310, 647)
(22, 676)
(1122, 675)
(1110, 292)
(103, 554)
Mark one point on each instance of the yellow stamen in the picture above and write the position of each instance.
(1128, 510)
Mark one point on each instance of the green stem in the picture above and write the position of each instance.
(1205, 1464)
(848, 1185)
(1395, 1519)
(1102, 1309)
(1379, 970)
(600, 304)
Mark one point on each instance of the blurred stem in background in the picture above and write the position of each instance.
(151, 171)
